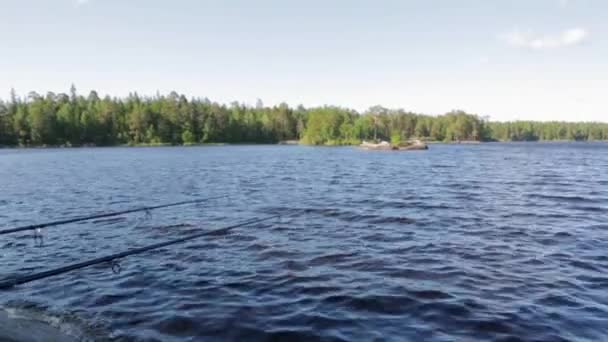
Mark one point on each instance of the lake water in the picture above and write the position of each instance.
(504, 242)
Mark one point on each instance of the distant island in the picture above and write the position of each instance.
(75, 120)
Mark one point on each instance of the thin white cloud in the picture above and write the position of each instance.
(528, 39)
(81, 2)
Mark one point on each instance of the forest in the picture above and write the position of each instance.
(76, 120)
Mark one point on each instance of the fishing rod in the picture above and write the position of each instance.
(103, 215)
(9, 283)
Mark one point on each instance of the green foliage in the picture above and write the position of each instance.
(329, 126)
(541, 131)
(188, 138)
(396, 138)
(75, 120)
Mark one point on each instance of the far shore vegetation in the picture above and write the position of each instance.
(75, 120)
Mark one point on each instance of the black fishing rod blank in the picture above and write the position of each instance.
(102, 215)
(9, 283)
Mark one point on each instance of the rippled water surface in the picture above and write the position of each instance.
(501, 242)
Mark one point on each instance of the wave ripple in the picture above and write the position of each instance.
(491, 242)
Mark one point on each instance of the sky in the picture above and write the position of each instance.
(508, 60)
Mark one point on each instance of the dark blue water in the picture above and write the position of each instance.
(501, 242)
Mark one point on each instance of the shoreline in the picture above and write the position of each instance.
(468, 143)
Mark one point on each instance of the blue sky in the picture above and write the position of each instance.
(511, 59)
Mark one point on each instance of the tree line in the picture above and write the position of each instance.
(75, 120)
